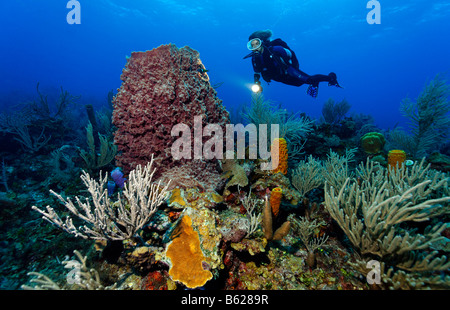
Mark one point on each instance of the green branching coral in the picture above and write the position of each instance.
(293, 127)
(333, 112)
(376, 212)
(428, 119)
(93, 159)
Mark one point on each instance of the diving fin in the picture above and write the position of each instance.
(333, 81)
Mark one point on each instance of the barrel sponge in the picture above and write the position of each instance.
(275, 200)
(373, 142)
(186, 255)
(279, 156)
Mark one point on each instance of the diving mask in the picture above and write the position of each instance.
(254, 44)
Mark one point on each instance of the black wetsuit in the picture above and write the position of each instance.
(280, 64)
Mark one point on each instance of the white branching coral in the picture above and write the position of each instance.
(253, 213)
(108, 220)
(78, 277)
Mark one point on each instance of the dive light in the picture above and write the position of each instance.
(257, 88)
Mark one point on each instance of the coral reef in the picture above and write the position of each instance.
(328, 220)
(373, 221)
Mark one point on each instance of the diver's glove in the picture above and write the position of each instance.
(313, 90)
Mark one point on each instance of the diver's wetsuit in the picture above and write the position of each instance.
(280, 64)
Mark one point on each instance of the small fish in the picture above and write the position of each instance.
(117, 176)
(409, 162)
(202, 70)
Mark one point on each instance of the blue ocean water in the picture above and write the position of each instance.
(378, 64)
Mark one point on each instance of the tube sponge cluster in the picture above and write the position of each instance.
(275, 200)
(396, 157)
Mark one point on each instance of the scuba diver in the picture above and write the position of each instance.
(274, 60)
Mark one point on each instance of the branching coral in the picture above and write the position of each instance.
(428, 118)
(293, 127)
(307, 229)
(334, 112)
(108, 220)
(336, 167)
(81, 276)
(308, 175)
(94, 159)
(374, 211)
(254, 216)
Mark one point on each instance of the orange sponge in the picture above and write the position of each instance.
(275, 200)
(394, 157)
(186, 255)
(279, 156)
